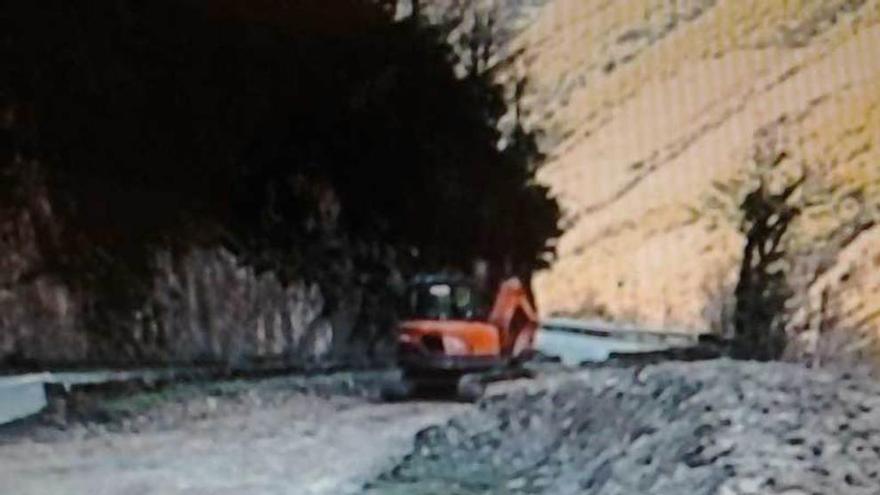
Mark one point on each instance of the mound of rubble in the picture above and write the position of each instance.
(718, 427)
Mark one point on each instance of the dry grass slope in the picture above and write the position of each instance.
(651, 103)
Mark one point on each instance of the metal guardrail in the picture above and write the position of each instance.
(26, 394)
(602, 328)
(69, 379)
(577, 341)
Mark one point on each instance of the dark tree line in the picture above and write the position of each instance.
(175, 123)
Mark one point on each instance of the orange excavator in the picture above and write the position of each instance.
(451, 338)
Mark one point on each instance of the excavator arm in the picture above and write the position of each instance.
(515, 318)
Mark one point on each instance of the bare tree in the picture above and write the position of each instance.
(763, 287)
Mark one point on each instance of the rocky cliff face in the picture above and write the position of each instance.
(650, 106)
(38, 313)
(202, 305)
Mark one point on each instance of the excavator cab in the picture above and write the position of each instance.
(435, 298)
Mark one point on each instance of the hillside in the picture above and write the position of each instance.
(649, 107)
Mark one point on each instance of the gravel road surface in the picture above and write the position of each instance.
(275, 436)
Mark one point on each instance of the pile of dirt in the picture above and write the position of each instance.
(719, 427)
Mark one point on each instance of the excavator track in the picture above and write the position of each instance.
(467, 387)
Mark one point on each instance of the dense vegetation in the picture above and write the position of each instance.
(299, 137)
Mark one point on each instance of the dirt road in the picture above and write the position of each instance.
(715, 427)
(257, 439)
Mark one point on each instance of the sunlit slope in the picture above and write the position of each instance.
(647, 106)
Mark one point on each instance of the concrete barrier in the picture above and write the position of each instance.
(21, 396)
(24, 395)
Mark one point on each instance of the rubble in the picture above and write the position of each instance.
(714, 427)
